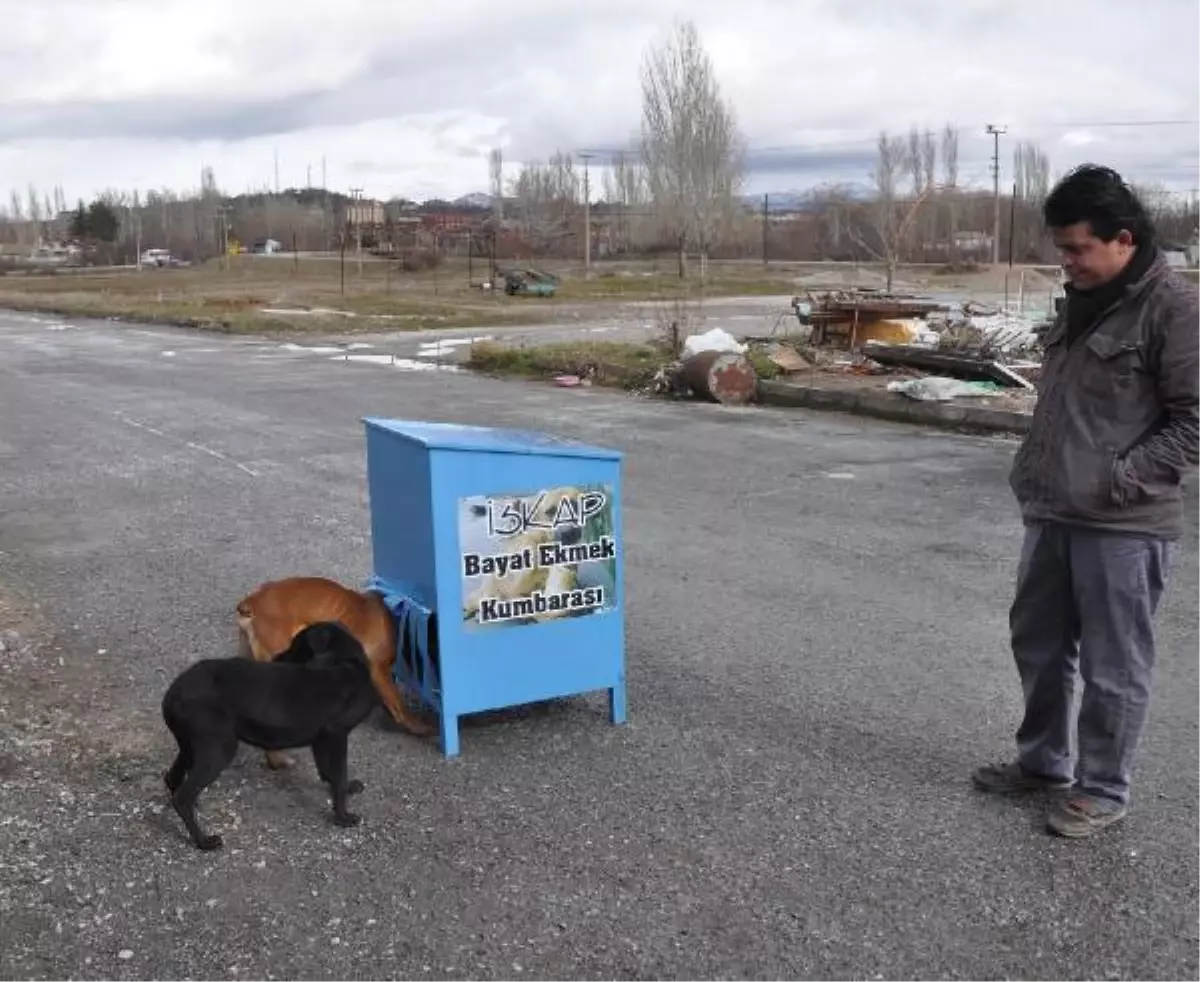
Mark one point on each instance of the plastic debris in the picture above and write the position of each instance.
(715, 340)
(935, 388)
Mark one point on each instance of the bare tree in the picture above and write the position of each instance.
(1031, 172)
(16, 215)
(835, 205)
(914, 161)
(547, 199)
(1031, 180)
(892, 218)
(950, 180)
(889, 168)
(496, 177)
(922, 162)
(35, 214)
(929, 158)
(625, 190)
(690, 144)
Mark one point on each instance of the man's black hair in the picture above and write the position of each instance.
(1098, 195)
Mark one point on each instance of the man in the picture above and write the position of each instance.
(1099, 482)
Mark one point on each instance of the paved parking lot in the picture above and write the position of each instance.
(817, 660)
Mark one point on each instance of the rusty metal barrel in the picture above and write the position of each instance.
(721, 376)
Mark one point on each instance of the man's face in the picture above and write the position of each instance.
(1088, 261)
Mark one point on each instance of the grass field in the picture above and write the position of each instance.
(254, 294)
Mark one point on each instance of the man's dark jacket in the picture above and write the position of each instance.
(1117, 420)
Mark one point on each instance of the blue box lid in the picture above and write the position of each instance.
(452, 436)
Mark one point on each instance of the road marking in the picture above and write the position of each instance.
(139, 425)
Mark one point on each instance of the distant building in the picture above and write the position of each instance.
(363, 212)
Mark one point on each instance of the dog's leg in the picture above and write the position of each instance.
(174, 777)
(393, 701)
(252, 643)
(333, 754)
(207, 766)
(320, 752)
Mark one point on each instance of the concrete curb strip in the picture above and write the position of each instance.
(888, 405)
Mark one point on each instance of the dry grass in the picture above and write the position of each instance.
(648, 285)
(609, 363)
(263, 295)
(232, 297)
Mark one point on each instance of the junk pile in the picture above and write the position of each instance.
(851, 317)
(712, 366)
(984, 350)
(916, 347)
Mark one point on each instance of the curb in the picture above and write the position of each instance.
(891, 406)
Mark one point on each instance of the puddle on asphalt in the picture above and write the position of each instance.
(391, 361)
(433, 349)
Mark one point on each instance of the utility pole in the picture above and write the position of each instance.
(996, 132)
(587, 218)
(276, 171)
(356, 195)
(1012, 224)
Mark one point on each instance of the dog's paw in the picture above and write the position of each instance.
(355, 787)
(210, 842)
(347, 820)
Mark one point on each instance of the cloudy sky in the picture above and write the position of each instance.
(401, 97)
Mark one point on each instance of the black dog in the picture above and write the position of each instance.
(312, 695)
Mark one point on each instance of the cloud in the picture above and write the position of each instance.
(400, 97)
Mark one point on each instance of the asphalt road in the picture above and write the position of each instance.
(816, 660)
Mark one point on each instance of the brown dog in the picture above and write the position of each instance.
(271, 616)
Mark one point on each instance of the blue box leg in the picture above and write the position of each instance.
(616, 703)
(449, 733)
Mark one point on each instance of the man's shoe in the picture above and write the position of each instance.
(1081, 815)
(1014, 779)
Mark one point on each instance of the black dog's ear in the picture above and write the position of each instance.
(299, 652)
(308, 642)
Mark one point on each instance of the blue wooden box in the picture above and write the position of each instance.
(500, 554)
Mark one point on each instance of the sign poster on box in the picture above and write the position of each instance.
(537, 556)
